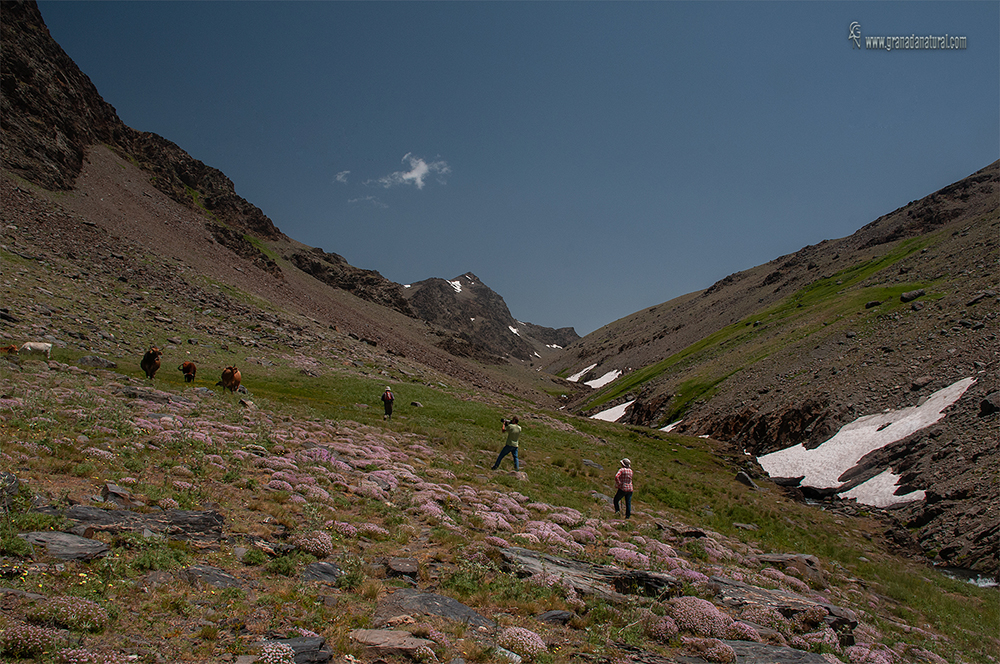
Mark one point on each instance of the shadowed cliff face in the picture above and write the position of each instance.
(51, 114)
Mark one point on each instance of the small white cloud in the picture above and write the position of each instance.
(371, 200)
(419, 171)
(341, 177)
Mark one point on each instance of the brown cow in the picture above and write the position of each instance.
(9, 350)
(230, 379)
(151, 361)
(189, 370)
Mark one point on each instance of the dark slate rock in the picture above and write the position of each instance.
(211, 576)
(910, 296)
(743, 478)
(736, 594)
(403, 567)
(921, 383)
(66, 546)
(322, 572)
(308, 649)
(592, 464)
(748, 652)
(96, 362)
(990, 404)
(407, 601)
(555, 617)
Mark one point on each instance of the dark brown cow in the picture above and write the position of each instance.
(9, 350)
(230, 379)
(151, 361)
(189, 370)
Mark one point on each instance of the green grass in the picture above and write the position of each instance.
(739, 345)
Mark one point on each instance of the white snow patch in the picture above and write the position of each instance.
(880, 491)
(513, 329)
(671, 426)
(407, 285)
(457, 285)
(605, 379)
(612, 414)
(536, 354)
(577, 376)
(556, 346)
(823, 466)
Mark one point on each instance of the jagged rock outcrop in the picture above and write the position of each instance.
(334, 270)
(478, 322)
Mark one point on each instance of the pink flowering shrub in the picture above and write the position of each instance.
(740, 631)
(276, 653)
(97, 453)
(691, 576)
(629, 557)
(19, 639)
(765, 616)
(712, 650)
(73, 613)
(279, 485)
(316, 542)
(167, 503)
(584, 535)
(83, 656)
(869, 654)
(824, 637)
(806, 620)
(498, 542)
(521, 641)
(343, 528)
(662, 629)
(373, 531)
(698, 616)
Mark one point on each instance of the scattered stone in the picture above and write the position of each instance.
(555, 617)
(403, 567)
(67, 546)
(388, 642)
(990, 404)
(416, 404)
(308, 649)
(323, 572)
(592, 464)
(96, 362)
(743, 478)
(910, 296)
(748, 652)
(413, 602)
(921, 383)
(872, 304)
(199, 575)
(807, 567)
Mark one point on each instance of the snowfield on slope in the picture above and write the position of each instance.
(823, 466)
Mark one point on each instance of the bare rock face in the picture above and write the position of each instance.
(52, 112)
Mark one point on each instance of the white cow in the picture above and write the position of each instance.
(36, 348)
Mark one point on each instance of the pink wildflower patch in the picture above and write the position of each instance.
(740, 631)
(522, 641)
(712, 650)
(629, 557)
(499, 542)
(698, 616)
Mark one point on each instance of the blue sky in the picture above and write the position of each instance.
(584, 159)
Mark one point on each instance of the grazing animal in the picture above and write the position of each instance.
(36, 348)
(151, 361)
(189, 370)
(230, 379)
(9, 350)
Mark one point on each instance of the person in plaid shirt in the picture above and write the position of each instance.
(623, 482)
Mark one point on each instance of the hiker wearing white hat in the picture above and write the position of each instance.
(387, 400)
(623, 484)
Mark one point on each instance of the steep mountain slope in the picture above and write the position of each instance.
(790, 351)
(52, 119)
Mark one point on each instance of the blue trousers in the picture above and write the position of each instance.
(507, 449)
